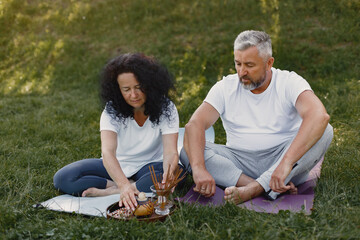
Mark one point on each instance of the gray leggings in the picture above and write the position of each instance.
(226, 164)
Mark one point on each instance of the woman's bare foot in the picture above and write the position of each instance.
(110, 183)
(241, 194)
(96, 192)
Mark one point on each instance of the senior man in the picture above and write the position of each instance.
(276, 128)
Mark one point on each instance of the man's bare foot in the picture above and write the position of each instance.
(236, 194)
(244, 180)
(241, 194)
(96, 192)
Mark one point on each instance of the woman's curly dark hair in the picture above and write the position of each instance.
(154, 79)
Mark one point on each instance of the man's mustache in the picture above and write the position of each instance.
(245, 78)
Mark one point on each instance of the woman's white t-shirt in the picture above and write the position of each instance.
(258, 121)
(138, 146)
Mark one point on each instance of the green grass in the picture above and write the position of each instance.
(51, 54)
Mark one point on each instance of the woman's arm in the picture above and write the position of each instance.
(108, 149)
(170, 153)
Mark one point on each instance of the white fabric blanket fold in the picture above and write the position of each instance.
(90, 206)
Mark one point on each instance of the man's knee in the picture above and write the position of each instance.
(185, 160)
(325, 140)
(323, 143)
(329, 133)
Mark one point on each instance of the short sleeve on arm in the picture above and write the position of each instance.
(296, 86)
(169, 126)
(107, 122)
(215, 97)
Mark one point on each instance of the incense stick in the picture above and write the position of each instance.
(170, 181)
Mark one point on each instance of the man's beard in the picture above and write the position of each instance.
(253, 84)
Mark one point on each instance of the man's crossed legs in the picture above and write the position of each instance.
(246, 174)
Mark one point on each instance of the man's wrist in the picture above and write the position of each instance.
(198, 167)
(288, 161)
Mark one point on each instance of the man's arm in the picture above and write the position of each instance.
(194, 145)
(315, 120)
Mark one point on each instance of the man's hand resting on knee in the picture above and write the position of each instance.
(277, 181)
(205, 183)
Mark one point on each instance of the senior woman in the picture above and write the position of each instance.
(139, 128)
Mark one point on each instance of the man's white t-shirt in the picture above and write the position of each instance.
(138, 146)
(258, 121)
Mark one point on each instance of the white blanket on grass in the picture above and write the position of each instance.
(90, 206)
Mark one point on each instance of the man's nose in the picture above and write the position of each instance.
(242, 71)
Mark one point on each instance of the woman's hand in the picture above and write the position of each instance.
(172, 168)
(167, 177)
(171, 156)
(127, 196)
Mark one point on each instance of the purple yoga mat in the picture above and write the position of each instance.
(194, 197)
(302, 201)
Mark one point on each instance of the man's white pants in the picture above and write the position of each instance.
(227, 164)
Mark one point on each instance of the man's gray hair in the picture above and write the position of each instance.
(251, 38)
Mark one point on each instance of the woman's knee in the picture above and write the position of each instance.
(65, 178)
(62, 181)
(56, 180)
